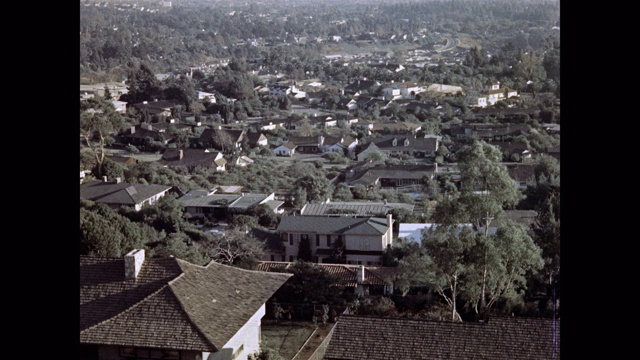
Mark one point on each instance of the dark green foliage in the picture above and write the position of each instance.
(104, 232)
(310, 283)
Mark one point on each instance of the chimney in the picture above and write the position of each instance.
(181, 153)
(118, 180)
(360, 272)
(104, 178)
(133, 129)
(132, 263)
(389, 220)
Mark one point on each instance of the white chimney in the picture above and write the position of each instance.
(133, 129)
(181, 153)
(104, 178)
(118, 180)
(389, 220)
(132, 263)
(360, 274)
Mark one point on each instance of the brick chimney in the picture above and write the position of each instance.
(360, 274)
(132, 263)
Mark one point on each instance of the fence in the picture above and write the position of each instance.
(322, 348)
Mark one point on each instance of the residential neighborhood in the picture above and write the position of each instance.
(319, 180)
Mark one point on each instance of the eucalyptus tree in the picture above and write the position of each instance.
(99, 120)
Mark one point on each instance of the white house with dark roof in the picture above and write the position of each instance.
(286, 149)
(199, 204)
(168, 308)
(359, 240)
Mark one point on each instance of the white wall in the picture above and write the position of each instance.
(248, 337)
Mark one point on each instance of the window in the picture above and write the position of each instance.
(273, 257)
(329, 240)
(291, 258)
(290, 239)
(317, 239)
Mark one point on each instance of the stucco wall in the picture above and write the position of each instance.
(245, 342)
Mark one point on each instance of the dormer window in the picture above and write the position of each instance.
(406, 142)
(394, 142)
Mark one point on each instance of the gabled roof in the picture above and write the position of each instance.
(508, 338)
(333, 225)
(427, 144)
(368, 176)
(307, 140)
(171, 304)
(115, 193)
(396, 126)
(190, 157)
(254, 137)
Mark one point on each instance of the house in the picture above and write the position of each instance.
(523, 174)
(272, 124)
(283, 89)
(206, 96)
(361, 240)
(362, 280)
(361, 86)
(141, 133)
(308, 144)
(192, 159)
(487, 132)
(390, 176)
(395, 145)
(345, 145)
(243, 161)
(286, 149)
(117, 193)
(442, 90)
(403, 90)
(499, 338)
(256, 139)
(396, 127)
(168, 308)
(160, 108)
(224, 140)
(352, 208)
(211, 205)
(512, 150)
(496, 94)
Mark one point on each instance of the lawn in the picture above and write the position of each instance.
(286, 337)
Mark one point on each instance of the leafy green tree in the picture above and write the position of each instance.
(142, 85)
(440, 264)
(342, 193)
(317, 187)
(503, 264)
(98, 120)
(180, 246)
(310, 283)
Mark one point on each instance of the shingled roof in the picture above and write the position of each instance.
(171, 304)
(512, 338)
(120, 193)
(333, 225)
